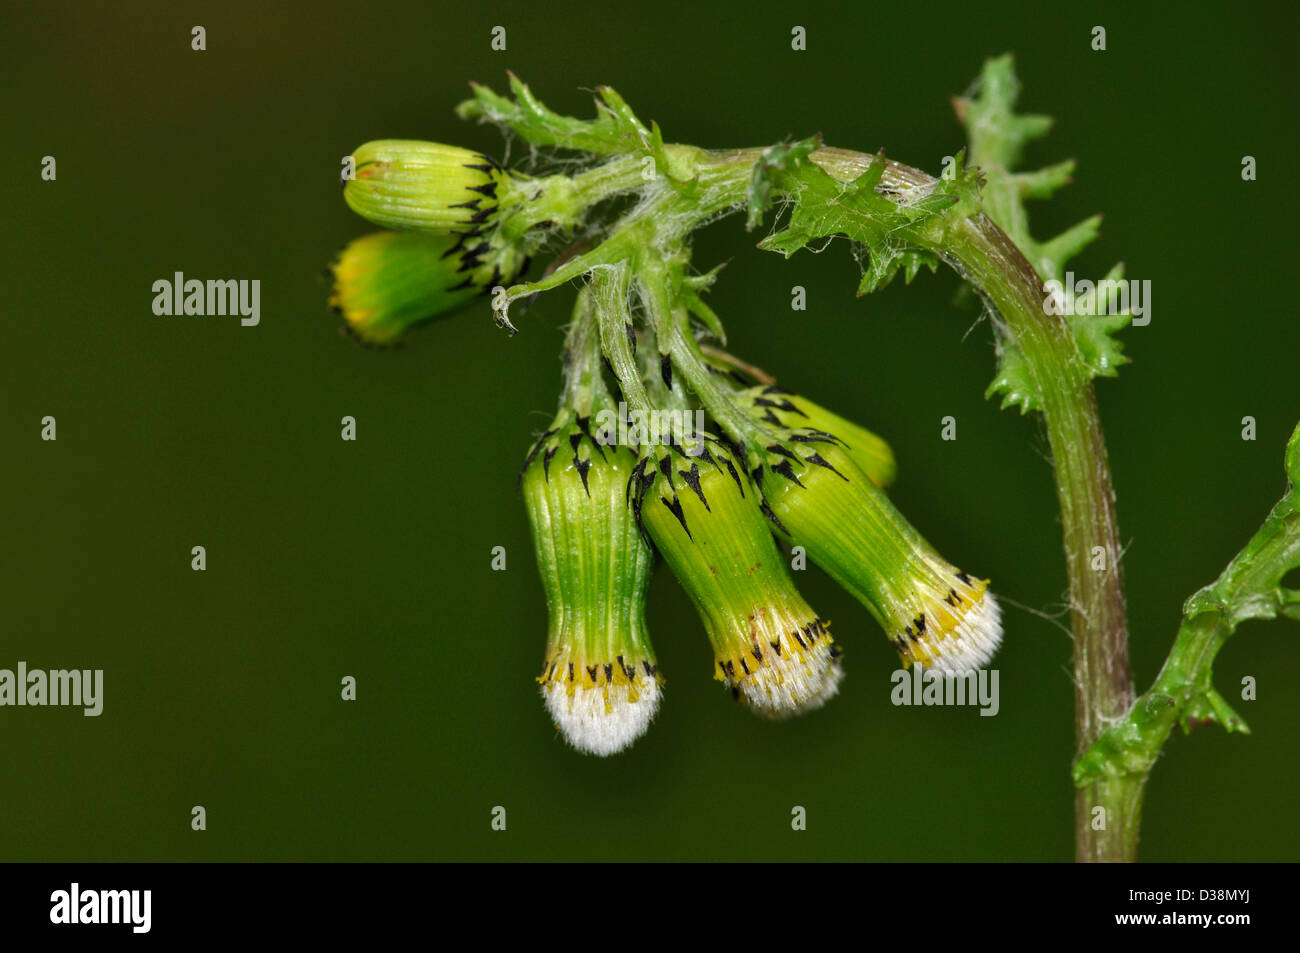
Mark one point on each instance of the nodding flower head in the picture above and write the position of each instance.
(406, 184)
(780, 408)
(386, 282)
(770, 647)
(933, 613)
(599, 678)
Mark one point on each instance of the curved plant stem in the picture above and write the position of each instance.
(906, 219)
(900, 214)
(983, 254)
(987, 257)
(1183, 693)
(1103, 686)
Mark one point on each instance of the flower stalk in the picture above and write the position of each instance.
(712, 504)
(600, 681)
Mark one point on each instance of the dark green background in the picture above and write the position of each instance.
(371, 558)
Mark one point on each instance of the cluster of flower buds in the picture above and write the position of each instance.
(718, 504)
(446, 211)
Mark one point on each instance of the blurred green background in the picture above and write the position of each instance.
(371, 558)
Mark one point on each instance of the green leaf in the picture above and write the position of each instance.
(1050, 256)
(1093, 332)
(1044, 182)
(824, 207)
(888, 259)
(1014, 381)
(1250, 587)
(997, 139)
(1101, 352)
(706, 315)
(777, 158)
(894, 234)
(615, 130)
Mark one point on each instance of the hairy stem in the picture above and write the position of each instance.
(1103, 685)
(617, 338)
(1183, 693)
(706, 184)
(984, 254)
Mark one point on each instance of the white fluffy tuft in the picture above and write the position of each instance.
(596, 726)
(790, 684)
(973, 642)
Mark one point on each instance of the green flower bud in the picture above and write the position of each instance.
(770, 648)
(934, 614)
(407, 184)
(387, 282)
(599, 679)
(780, 408)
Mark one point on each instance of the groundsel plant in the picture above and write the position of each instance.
(665, 445)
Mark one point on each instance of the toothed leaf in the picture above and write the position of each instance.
(887, 260)
(1093, 329)
(1101, 352)
(997, 138)
(886, 229)
(775, 159)
(615, 130)
(1043, 183)
(1014, 381)
(1051, 256)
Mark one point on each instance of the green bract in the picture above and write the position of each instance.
(386, 282)
(770, 647)
(403, 183)
(777, 406)
(932, 612)
(599, 678)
